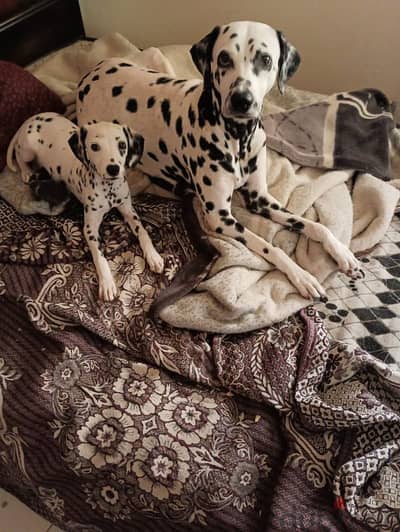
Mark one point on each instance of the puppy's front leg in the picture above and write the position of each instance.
(217, 211)
(107, 288)
(154, 260)
(260, 202)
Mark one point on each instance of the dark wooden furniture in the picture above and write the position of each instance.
(38, 28)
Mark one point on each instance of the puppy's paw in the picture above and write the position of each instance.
(108, 290)
(155, 261)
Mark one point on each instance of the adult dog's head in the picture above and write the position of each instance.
(240, 62)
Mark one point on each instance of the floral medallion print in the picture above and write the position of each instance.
(161, 466)
(191, 418)
(139, 390)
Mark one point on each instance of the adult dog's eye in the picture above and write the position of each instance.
(224, 60)
(266, 61)
(122, 145)
(95, 147)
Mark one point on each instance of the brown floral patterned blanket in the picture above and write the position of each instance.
(110, 421)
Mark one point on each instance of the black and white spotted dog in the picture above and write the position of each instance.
(207, 134)
(92, 162)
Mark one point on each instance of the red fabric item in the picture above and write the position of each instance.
(21, 96)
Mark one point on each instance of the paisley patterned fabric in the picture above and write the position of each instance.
(111, 421)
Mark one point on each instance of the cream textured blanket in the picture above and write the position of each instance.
(242, 291)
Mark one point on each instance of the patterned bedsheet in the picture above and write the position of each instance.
(111, 421)
(367, 312)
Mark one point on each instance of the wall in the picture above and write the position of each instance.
(344, 44)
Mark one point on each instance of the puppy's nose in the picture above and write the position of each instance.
(138, 143)
(241, 101)
(113, 170)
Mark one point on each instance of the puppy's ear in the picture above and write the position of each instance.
(289, 61)
(75, 145)
(201, 52)
(132, 153)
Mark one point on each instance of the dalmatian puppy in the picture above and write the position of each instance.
(207, 134)
(91, 161)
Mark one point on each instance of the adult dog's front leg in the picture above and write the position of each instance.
(259, 201)
(217, 212)
(152, 257)
(107, 288)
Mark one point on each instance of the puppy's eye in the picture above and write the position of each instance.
(95, 147)
(122, 145)
(224, 60)
(266, 61)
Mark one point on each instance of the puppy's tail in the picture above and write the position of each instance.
(11, 153)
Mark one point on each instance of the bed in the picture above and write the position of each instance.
(111, 420)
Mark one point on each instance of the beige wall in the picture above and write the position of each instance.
(344, 44)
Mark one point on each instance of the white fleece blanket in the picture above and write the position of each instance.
(242, 291)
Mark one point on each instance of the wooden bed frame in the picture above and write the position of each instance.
(43, 27)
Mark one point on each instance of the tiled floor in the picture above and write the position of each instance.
(16, 517)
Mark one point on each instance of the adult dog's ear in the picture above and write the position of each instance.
(75, 145)
(289, 61)
(201, 52)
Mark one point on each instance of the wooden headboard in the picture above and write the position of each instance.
(29, 30)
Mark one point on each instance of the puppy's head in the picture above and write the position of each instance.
(240, 63)
(107, 148)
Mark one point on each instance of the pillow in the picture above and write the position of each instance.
(21, 96)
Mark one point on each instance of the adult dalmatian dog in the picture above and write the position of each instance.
(207, 134)
(91, 161)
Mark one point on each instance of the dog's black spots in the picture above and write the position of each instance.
(225, 30)
(219, 230)
(233, 35)
(116, 91)
(131, 105)
(191, 116)
(58, 169)
(183, 143)
(237, 47)
(241, 240)
(214, 167)
(86, 89)
(239, 227)
(298, 226)
(198, 188)
(251, 48)
(262, 202)
(81, 95)
(253, 194)
(263, 44)
(112, 70)
(227, 166)
(193, 166)
(48, 119)
(162, 146)
(125, 65)
(152, 156)
(95, 77)
(229, 199)
(207, 181)
(223, 212)
(266, 251)
(229, 221)
(214, 137)
(50, 146)
(150, 102)
(180, 166)
(252, 165)
(191, 139)
(200, 161)
(179, 81)
(165, 109)
(38, 128)
(191, 89)
(178, 126)
(210, 205)
(213, 151)
(275, 206)
(265, 213)
(163, 80)
(115, 121)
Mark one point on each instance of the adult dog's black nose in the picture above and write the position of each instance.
(113, 170)
(241, 101)
(138, 143)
